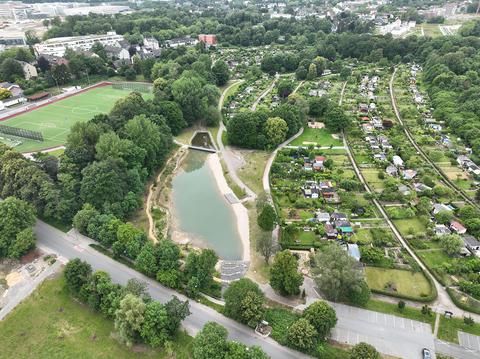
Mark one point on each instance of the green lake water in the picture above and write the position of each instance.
(202, 211)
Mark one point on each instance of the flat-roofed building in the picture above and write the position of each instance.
(57, 46)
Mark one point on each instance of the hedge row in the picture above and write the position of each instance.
(451, 292)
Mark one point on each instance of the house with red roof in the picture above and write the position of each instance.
(457, 227)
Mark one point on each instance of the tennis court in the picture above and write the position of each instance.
(55, 120)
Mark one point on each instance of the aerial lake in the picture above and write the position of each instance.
(201, 213)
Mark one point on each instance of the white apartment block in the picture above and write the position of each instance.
(57, 46)
(397, 28)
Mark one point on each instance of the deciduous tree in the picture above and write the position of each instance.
(275, 131)
(322, 316)
(210, 342)
(244, 302)
(302, 335)
(284, 275)
(77, 273)
(265, 245)
(221, 72)
(451, 244)
(337, 274)
(15, 216)
(364, 351)
(154, 327)
(129, 318)
(267, 218)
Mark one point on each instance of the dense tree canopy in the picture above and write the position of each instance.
(17, 218)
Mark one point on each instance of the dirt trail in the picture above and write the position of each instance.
(178, 156)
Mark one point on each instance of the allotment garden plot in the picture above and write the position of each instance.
(444, 148)
(316, 192)
(54, 121)
(442, 229)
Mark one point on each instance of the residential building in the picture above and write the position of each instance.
(381, 157)
(16, 98)
(181, 41)
(57, 46)
(336, 216)
(409, 174)
(151, 43)
(440, 207)
(118, 53)
(404, 190)
(322, 217)
(471, 243)
(330, 231)
(397, 161)
(441, 230)
(29, 71)
(420, 187)
(391, 170)
(208, 39)
(457, 227)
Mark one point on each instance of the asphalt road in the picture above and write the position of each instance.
(392, 335)
(68, 247)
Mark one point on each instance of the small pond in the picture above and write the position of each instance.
(201, 212)
(202, 139)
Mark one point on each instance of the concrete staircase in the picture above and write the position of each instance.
(233, 270)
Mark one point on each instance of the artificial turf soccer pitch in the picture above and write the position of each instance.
(55, 120)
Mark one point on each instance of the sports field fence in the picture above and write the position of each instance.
(21, 132)
(133, 86)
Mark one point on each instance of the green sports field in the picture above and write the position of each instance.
(54, 120)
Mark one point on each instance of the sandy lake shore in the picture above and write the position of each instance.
(239, 209)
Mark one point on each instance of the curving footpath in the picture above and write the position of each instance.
(265, 93)
(226, 155)
(420, 151)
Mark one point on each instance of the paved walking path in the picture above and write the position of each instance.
(47, 150)
(265, 93)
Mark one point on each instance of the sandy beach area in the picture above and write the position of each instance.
(239, 209)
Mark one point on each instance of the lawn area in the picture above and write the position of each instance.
(433, 259)
(409, 226)
(258, 270)
(55, 120)
(232, 90)
(406, 282)
(251, 171)
(363, 236)
(371, 176)
(317, 137)
(464, 184)
(57, 153)
(449, 328)
(407, 312)
(307, 238)
(49, 324)
(431, 30)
